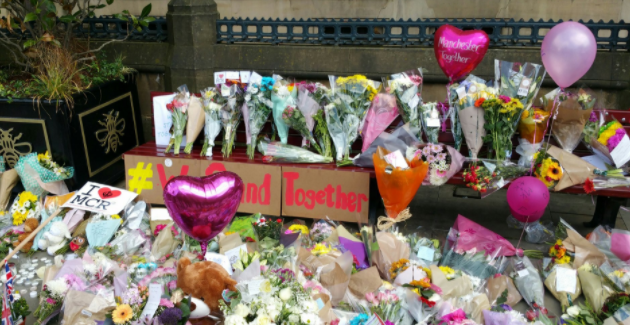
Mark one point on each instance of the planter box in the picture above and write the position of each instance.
(104, 123)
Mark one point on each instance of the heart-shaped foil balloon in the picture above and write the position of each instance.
(203, 207)
(459, 52)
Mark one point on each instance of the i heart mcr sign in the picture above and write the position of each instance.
(100, 198)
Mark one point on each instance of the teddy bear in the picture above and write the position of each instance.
(204, 280)
(55, 238)
(30, 224)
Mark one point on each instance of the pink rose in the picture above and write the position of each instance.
(166, 303)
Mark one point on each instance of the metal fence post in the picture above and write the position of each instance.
(192, 36)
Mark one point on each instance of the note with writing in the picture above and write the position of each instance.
(155, 293)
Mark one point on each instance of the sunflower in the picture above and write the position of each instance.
(554, 171)
(122, 314)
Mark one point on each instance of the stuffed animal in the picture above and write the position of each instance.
(55, 238)
(30, 224)
(204, 281)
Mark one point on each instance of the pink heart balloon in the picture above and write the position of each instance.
(202, 207)
(459, 52)
(568, 52)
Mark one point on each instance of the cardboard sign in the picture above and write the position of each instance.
(313, 193)
(262, 184)
(100, 198)
(147, 176)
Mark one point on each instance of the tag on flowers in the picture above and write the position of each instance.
(396, 159)
(461, 92)
(221, 260)
(566, 280)
(621, 153)
(426, 253)
(523, 89)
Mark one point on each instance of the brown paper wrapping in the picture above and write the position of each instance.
(196, 119)
(583, 249)
(313, 262)
(82, 308)
(569, 122)
(336, 281)
(451, 289)
(563, 297)
(594, 288)
(391, 250)
(164, 243)
(8, 180)
(326, 314)
(80, 229)
(365, 281)
(333, 238)
(575, 169)
(228, 242)
(601, 148)
(472, 122)
(496, 287)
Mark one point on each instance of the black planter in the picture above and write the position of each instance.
(103, 124)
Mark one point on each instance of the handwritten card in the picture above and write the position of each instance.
(162, 120)
(566, 280)
(219, 77)
(233, 254)
(155, 294)
(221, 260)
(100, 198)
(621, 153)
(255, 78)
(245, 76)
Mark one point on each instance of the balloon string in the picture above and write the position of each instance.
(553, 114)
(518, 245)
(450, 106)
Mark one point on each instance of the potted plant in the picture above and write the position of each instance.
(60, 94)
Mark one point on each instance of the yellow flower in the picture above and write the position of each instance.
(427, 271)
(18, 218)
(44, 156)
(619, 273)
(122, 314)
(27, 196)
(229, 233)
(299, 228)
(320, 249)
(448, 272)
(563, 260)
(554, 171)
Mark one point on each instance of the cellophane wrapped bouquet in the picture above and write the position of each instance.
(380, 115)
(212, 104)
(517, 84)
(26, 205)
(467, 99)
(570, 111)
(285, 153)
(283, 96)
(348, 102)
(607, 138)
(230, 115)
(178, 108)
(308, 104)
(407, 86)
(444, 161)
(398, 180)
(40, 174)
(430, 118)
(258, 106)
(532, 129)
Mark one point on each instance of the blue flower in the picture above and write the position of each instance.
(359, 320)
(267, 83)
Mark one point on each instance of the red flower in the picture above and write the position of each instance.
(479, 102)
(249, 240)
(427, 302)
(589, 187)
(279, 220)
(267, 159)
(74, 247)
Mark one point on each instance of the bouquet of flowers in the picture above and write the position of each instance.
(349, 101)
(559, 267)
(320, 130)
(386, 304)
(295, 119)
(407, 86)
(444, 162)
(26, 205)
(502, 314)
(53, 294)
(196, 120)
(501, 115)
(380, 115)
(256, 111)
(212, 104)
(284, 95)
(607, 138)
(398, 181)
(571, 111)
(132, 303)
(595, 285)
(565, 169)
(320, 231)
(41, 175)
(449, 315)
(547, 169)
(421, 248)
(230, 116)
(490, 177)
(279, 152)
(309, 98)
(430, 118)
(468, 98)
(178, 108)
(532, 128)
(528, 282)
(268, 228)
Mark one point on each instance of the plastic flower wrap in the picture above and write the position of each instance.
(268, 228)
(295, 119)
(230, 116)
(178, 109)
(407, 86)
(284, 95)
(501, 115)
(532, 128)
(285, 153)
(570, 112)
(444, 162)
(430, 118)
(595, 285)
(528, 282)
(608, 139)
(40, 174)
(212, 104)
(196, 120)
(398, 179)
(503, 314)
(349, 101)
(386, 304)
(26, 205)
(311, 96)
(256, 110)
(380, 115)
(467, 99)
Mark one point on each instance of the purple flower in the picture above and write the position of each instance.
(504, 98)
(593, 117)
(615, 139)
(506, 307)
(170, 316)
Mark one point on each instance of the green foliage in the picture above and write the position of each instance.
(20, 308)
(100, 71)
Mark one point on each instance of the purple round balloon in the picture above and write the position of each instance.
(203, 207)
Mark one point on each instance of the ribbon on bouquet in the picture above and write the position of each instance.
(385, 223)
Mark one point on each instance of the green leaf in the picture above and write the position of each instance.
(146, 10)
(149, 19)
(50, 6)
(143, 23)
(121, 17)
(29, 43)
(66, 19)
(109, 2)
(126, 12)
(31, 16)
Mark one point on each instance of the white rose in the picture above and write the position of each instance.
(273, 314)
(285, 294)
(294, 319)
(235, 320)
(262, 320)
(242, 310)
(573, 311)
(435, 297)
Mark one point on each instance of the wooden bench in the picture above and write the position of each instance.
(608, 200)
